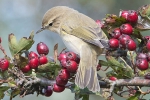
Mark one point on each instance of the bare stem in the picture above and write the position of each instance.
(3, 50)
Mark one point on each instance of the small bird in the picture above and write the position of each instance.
(81, 35)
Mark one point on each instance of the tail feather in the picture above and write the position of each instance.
(87, 75)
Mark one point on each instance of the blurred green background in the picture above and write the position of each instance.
(22, 16)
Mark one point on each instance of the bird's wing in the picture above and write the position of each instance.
(85, 28)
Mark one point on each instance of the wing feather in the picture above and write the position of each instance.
(85, 28)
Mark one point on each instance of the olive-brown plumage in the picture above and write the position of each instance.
(81, 35)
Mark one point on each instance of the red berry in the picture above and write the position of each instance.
(123, 38)
(99, 67)
(71, 56)
(147, 38)
(126, 29)
(148, 56)
(78, 60)
(142, 64)
(114, 43)
(131, 45)
(32, 55)
(116, 33)
(112, 78)
(148, 45)
(141, 56)
(4, 64)
(147, 76)
(124, 14)
(62, 56)
(60, 82)
(48, 91)
(64, 74)
(63, 63)
(34, 63)
(132, 16)
(42, 48)
(100, 23)
(43, 60)
(26, 69)
(57, 88)
(0, 40)
(71, 66)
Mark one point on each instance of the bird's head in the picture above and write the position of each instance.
(53, 18)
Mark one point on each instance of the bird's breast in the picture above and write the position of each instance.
(73, 43)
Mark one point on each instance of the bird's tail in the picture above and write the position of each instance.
(86, 75)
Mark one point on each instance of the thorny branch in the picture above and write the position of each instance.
(29, 84)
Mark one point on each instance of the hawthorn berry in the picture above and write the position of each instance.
(42, 48)
(62, 56)
(141, 56)
(63, 62)
(123, 38)
(148, 45)
(148, 56)
(131, 45)
(71, 56)
(142, 64)
(71, 66)
(26, 69)
(116, 33)
(124, 14)
(147, 38)
(48, 91)
(113, 78)
(114, 43)
(61, 82)
(126, 29)
(147, 76)
(32, 54)
(57, 88)
(99, 67)
(4, 64)
(34, 63)
(43, 60)
(64, 74)
(132, 16)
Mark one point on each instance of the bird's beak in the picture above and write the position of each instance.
(40, 30)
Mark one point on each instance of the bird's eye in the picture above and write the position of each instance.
(50, 24)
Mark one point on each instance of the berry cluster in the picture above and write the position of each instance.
(69, 62)
(121, 37)
(34, 59)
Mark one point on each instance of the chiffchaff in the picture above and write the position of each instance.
(81, 35)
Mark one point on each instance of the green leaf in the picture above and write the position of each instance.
(85, 97)
(77, 96)
(50, 66)
(23, 45)
(14, 93)
(2, 90)
(12, 84)
(144, 11)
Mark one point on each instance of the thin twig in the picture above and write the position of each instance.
(3, 50)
